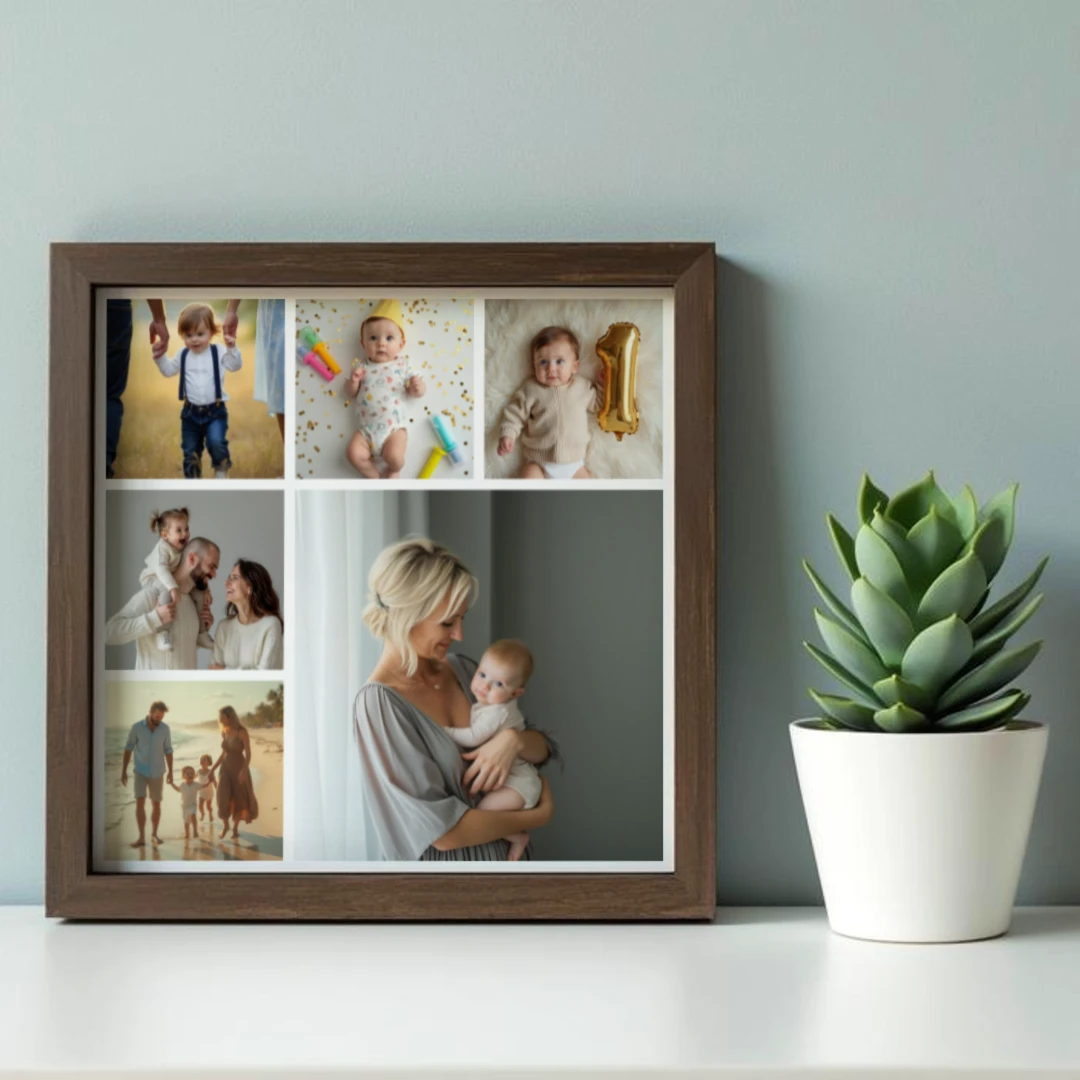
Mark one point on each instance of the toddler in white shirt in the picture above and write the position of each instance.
(174, 530)
(204, 418)
(499, 681)
(207, 783)
(189, 793)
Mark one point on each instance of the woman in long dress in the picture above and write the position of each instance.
(235, 791)
(251, 636)
(419, 789)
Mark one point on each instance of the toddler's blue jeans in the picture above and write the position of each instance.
(199, 425)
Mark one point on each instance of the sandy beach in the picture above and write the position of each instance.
(261, 839)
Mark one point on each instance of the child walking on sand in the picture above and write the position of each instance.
(207, 784)
(499, 681)
(174, 530)
(379, 386)
(551, 410)
(189, 793)
(204, 418)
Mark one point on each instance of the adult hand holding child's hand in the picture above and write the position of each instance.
(159, 338)
(506, 444)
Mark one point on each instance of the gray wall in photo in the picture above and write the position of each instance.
(244, 524)
(891, 186)
(462, 521)
(579, 578)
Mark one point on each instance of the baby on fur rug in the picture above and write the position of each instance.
(546, 419)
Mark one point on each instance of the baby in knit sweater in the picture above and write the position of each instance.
(551, 410)
(499, 681)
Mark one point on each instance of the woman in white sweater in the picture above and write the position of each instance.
(251, 635)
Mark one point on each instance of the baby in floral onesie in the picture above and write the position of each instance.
(379, 386)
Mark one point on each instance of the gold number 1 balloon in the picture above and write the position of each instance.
(618, 350)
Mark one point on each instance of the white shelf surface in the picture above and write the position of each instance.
(762, 992)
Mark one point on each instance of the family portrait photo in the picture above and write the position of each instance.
(194, 580)
(481, 677)
(384, 389)
(574, 389)
(194, 389)
(193, 771)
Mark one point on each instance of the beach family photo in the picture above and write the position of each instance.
(194, 580)
(384, 389)
(192, 771)
(480, 676)
(194, 388)
(574, 389)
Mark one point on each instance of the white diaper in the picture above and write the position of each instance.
(525, 780)
(561, 470)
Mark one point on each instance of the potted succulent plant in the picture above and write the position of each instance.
(920, 781)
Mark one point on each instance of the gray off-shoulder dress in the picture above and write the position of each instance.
(412, 774)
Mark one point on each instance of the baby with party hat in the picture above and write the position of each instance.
(379, 386)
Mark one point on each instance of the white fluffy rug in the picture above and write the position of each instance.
(509, 326)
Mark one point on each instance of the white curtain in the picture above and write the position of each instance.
(338, 536)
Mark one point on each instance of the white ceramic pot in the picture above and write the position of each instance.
(919, 837)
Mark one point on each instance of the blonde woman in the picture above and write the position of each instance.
(235, 790)
(419, 793)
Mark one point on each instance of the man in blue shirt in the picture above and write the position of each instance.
(149, 740)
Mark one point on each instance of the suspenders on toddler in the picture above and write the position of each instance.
(217, 375)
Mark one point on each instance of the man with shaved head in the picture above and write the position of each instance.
(189, 619)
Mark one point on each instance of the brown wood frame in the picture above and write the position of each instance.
(73, 889)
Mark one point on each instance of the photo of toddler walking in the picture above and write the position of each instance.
(201, 365)
(219, 362)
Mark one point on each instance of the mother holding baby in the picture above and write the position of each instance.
(419, 794)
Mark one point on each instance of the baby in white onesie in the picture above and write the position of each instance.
(380, 386)
(174, 530)
(499, 681)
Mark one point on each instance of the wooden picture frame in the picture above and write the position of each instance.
(73, 888)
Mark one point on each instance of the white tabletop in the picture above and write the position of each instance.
(760, 989)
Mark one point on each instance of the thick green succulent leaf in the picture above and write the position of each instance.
(881, 567)
(886, 623)
(844, 544)
(987, 714)
(937, 541)
(1000, 669)
(954, 592)
(995, 641)
(835, 604)
(1002, 506)
(967, 512)
(871, 498)
(844, 711)
(900, 719)
(937, 654)
(988, 619)
(907, 555)
(895, 690)
(989, 545)
(850, 651)
(841, 674)
(914, 503)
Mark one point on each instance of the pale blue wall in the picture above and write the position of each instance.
(893, 186)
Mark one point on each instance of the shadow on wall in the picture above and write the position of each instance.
(763, 844)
